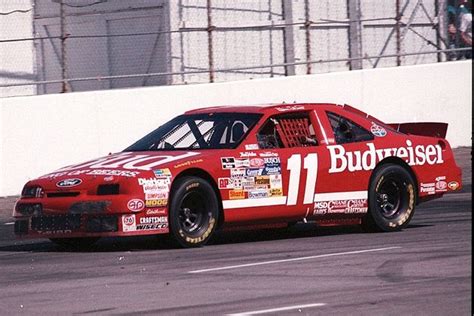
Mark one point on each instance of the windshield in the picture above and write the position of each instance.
(200, 131)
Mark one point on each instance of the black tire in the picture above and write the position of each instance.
(392, 199)
(75, 243)
(193, 213)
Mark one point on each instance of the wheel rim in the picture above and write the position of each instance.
(193, 216)
(389, 197)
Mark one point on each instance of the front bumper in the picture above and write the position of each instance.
(91, 225)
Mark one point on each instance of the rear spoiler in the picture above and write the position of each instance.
(423, 129)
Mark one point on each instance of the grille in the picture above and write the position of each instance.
(56, 222)
(61, 194)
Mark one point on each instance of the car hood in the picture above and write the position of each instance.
(118, 167)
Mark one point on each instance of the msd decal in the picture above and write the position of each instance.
(130, 161)
(342, 160)
(355, 206)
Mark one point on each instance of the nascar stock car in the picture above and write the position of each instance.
(233, 167)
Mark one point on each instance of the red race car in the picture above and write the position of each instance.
(231, 167)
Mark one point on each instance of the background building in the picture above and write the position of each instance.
(53, 46)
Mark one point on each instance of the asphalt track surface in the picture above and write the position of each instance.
(423, 270)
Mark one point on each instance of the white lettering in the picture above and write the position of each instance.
(342, 160)
(335, 157)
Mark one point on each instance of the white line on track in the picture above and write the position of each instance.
(9, 223)
(279, 309)
(293, 259)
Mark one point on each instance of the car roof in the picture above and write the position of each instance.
(262, 109)
(279, 108)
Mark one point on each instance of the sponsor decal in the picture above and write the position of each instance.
(268, 154)
(257, 162)
(265, 180)
(377, 130)
(158, 211)
(441, 185)
(251, 146)
(258, 194)
(152, 223)
(271, 160)
(352, 206)
(236, 194)
(130, 161)
(248, 183)
(237, 173)
(290, 108)
(276, 192)
(229, 183)
(157, 196)
(135, 205)
(96, 172)
(453, 185)
(253, 172)
(248, 154)
(342, 160)
(155, 189)
(187, 163)
(155, 203)
(162, 173)
(153, 220)
(242, 162)
(112, 172)
(271, 170)
(224, 183)
(129, 223)
(427, 188)
(276, 181)
(108, 179)
(154, 182)
(68, 183)
(228, 162)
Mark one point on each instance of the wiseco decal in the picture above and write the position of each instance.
(342, 160)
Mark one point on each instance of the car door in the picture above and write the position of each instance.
(341, 191)
(281, 170)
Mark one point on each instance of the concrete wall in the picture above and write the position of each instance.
(42, 133)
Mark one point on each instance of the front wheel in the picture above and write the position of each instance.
(194, 211)
(391, 199)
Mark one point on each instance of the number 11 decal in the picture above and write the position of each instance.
(294, 166)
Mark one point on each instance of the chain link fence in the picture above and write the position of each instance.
(55, 46)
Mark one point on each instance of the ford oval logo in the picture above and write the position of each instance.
(67, 183)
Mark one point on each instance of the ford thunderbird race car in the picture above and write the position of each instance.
(232, 167)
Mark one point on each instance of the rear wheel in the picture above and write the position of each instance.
(391, 199)
(193, 212)
(75, 243)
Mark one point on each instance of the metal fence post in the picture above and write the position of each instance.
(442, 34)
(210, 28)
(355, 36)
(289, 41)
(398, 18)
(64, 85)
(307, 26)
